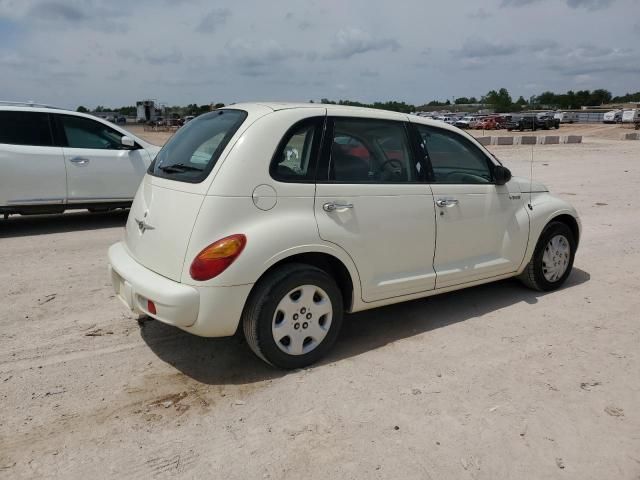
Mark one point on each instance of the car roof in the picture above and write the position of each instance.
(276, 106)
(255, 107)
(35, 108)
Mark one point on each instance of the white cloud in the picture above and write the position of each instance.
(353, 41)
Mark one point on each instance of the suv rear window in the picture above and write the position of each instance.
(25, 128)
(193, 151)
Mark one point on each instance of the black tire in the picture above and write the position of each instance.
(260, 309)
(533, 276)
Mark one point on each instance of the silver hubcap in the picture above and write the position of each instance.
(302, 319)
(555, 259)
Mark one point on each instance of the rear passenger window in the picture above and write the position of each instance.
(25, 128)
(370, 151)
(294, 160)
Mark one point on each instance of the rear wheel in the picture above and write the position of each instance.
(552, 259)
(293, 317)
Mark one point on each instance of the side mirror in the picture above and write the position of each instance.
(501, 174)
(127, 142)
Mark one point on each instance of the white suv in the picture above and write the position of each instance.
(277, 218)
(53, 160)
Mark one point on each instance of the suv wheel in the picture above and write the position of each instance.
(293, 317)
(552, 259)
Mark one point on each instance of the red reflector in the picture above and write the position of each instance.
(151, 307)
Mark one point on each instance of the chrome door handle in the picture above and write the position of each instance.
(333, 207)
(446, 202)
(79, 160)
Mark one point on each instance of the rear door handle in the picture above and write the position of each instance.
(446, 202)
(336, 207)
(79, 161)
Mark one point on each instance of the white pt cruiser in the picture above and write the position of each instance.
(278, 218)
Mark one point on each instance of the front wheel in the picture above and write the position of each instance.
(552, 259)
(293, 316)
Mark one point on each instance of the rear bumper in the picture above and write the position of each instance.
(203, 311)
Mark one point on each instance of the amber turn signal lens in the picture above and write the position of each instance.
(217, 257)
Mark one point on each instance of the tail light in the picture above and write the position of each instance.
(217, 257)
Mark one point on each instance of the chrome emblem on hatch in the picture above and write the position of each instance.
(143, 226)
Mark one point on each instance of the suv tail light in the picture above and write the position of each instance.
(217, 257)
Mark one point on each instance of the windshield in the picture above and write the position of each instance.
(193, 151)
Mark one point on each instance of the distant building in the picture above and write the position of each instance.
(147, 110)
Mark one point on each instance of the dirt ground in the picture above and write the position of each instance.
(492, 382)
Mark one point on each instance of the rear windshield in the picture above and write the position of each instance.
(193, 151)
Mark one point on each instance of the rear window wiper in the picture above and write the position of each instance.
(179, 168)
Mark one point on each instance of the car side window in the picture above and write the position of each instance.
(25, 128)
(454, 159)
(295, 157)
(370, 151)
(83, 132)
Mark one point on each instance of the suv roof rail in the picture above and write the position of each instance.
(10, 103)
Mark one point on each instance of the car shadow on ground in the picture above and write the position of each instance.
(223, 361)
(24, 225)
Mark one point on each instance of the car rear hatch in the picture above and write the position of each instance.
(165, 208)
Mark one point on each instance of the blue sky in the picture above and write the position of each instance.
(72, 52)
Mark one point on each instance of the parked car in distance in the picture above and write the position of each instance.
(464, 122)
(54, 160)
(321, 210)
(476, 120)
(613, 116)
(488, 123)
(566, 117)
(188, 118)
(121, 120)
(547, 120)
(631, 115)
(521, 122)
(532, 122)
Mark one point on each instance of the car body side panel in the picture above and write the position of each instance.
(495, 217)
(287, 229)
(32, 175)
(103, 174)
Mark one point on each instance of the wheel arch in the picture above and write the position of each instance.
(570, 221)
(330, 264)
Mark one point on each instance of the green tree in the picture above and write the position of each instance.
(628, 97)
(82, 109)
(547, 99)
(600, 96)
(500, 100)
